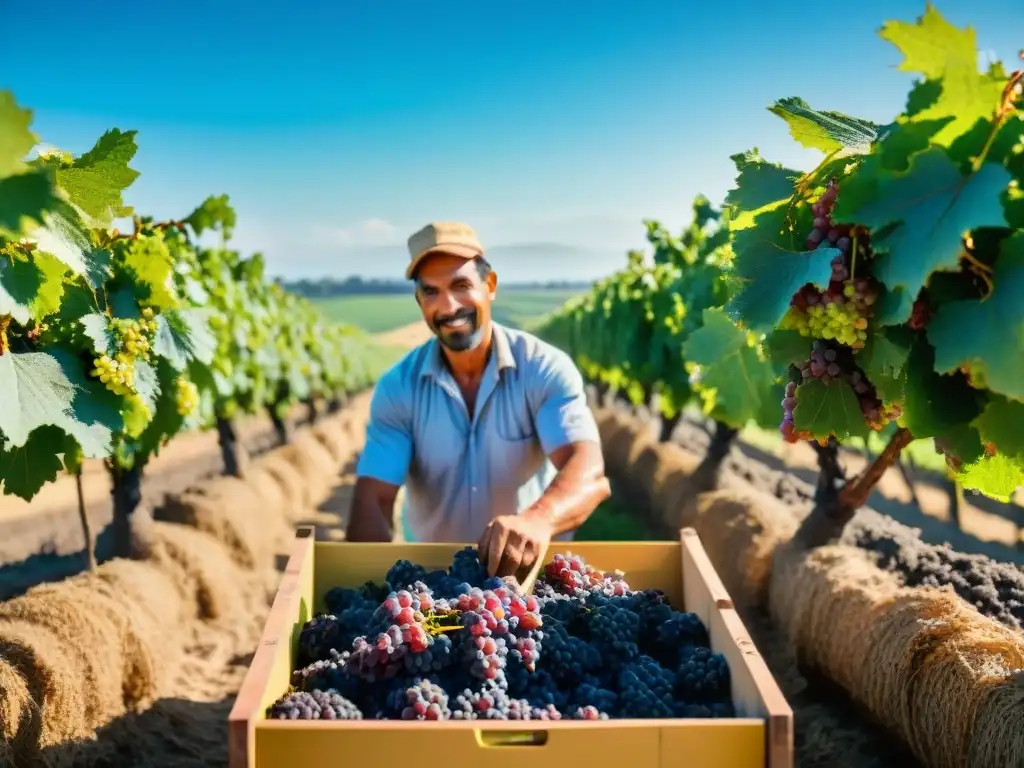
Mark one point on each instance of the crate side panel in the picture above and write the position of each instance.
(714, 744)
(594, 747)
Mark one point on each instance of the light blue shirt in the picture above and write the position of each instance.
(460, 472)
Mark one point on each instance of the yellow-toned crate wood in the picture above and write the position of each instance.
(761, 737)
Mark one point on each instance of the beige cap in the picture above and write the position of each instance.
(443, 237)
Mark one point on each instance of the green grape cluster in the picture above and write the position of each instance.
(186, 396)
(117, 373)
(134, 342)
(838, 314)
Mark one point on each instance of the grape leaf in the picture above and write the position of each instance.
(759, 183)
(996, 476)
(770, 276)
(893, 307)
(25, 199)
(947, 57)
(930, 45)
(77, 301)
(97, 329)
(731, 368)
(787, 347)
(137, 415)
(215, 212)
(826, 131)
(962, 442)
(50, 388)
(30, 288)
(934, 405)
(63, 235)
(987, 335)
(184, 335)
(166, 421)
(1002, 424)
(883, 361)
(16, 138)
(123, 304)
(27, 468)
(95, 181)
(153, 265)
(146, 383)
(932, 206)
(828, 409)
(906, 140)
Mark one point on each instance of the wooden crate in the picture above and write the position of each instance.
(762, 735)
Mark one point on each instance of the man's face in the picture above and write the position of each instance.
(455, 300)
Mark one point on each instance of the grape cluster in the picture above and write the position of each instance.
(841, 312)
(456, 644)
(829, 362)
(186, 396)
(134, 341)
(314, 705)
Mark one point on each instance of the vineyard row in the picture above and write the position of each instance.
(112, 343)
(877, 294)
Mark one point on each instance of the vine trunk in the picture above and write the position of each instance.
(836, 499)
(708, 472)
(281, 427)
(83, 517)
(230, 449)
(127, 495)
(668, 427)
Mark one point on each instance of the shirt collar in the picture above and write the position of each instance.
(434, 364)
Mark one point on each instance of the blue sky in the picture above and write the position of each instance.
(340, 127)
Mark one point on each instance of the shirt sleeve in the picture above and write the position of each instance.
(388, 450)
(563, 416)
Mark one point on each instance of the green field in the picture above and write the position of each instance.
(384, 312)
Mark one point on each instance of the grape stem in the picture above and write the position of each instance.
(1007, 105)
(856, 492)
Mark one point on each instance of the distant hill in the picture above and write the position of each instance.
(523, 263)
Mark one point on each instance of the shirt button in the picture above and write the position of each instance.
(473, 489)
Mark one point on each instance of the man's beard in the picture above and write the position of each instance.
(461, 338)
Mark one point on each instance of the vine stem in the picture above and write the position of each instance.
(856, 492)
(1007, 104)
(90, 554)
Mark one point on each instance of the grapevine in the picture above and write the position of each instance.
(882, 278)
(878, 292)
(455, 644)
(134, 336)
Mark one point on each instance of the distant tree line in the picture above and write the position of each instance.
(326, 287)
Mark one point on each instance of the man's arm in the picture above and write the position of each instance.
(384, 463)
(569, 436)
(576, 491)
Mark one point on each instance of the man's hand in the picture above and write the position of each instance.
(511, 542)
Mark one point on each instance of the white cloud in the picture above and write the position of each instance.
(378, 228)
(372, 231)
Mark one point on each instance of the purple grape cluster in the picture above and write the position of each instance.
(314, 705)
(456, 644)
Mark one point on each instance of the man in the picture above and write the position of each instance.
(487, 427)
